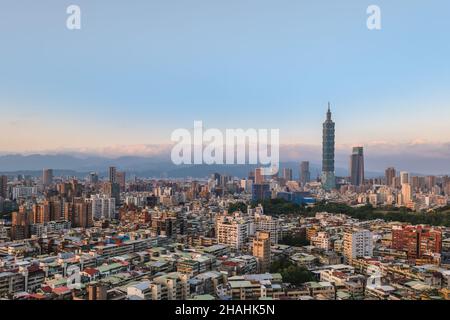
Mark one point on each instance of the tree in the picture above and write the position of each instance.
(290, 272)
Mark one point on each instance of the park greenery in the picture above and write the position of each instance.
(290, 272)
(277, 207)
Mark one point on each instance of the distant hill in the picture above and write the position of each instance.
(68, 165)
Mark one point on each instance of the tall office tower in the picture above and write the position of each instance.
(93, 177)
(261, 192)
(261, 250)
(305, 174)
(404, 177)
(47, 177)
(287, 174)
(121, 180)
(358, 243)
(415, 182)
(112, 190)
(396, 182)
(390, 175)
(112, 174)
(328, 177)
(259, 178)
(3, 187)
(430, 182)
(407, 194)
(357, 166)
(215, 177)
(251, 176)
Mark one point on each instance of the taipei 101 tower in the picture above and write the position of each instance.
(328, 178)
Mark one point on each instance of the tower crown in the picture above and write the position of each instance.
(329, 112)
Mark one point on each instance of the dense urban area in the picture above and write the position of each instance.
(113, 237)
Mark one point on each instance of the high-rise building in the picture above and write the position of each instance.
(404, 177)
(261, 192)
(112, 190)
(328, 177)
(261, 250)
(357, 166)
(48, 210)
(121, 180)
(93, 178)
(407, 194)
(21, 221)
(358, 243)
(103, 207)
(259, 178)
(112, 174)
(41, 212)
(3, 187)
(305, 174)
(390, 175)
(430, 182)
(47, 177)
(287, 174)
(251, 176)
(79, 213)
(415, 182)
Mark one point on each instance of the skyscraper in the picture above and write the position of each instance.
(407, 194)
(93, 177)
(328, 177)
(259, 178)
(357, 166)
(305, 175)
(390, 175)
(121, 180)
(3, 186)
(112, 174)
(404, 177)
(47, 177)
(287, 174)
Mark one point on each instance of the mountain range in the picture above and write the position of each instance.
(158, 166)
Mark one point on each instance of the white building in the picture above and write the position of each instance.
(232, 230)
(322, 241)
(24, 192)
(357, 243)
(103, 207)
(269, 224)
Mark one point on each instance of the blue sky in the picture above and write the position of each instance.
(140, 69)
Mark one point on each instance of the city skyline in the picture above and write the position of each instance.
(375, 79)
(225, 157)
(431, 162)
